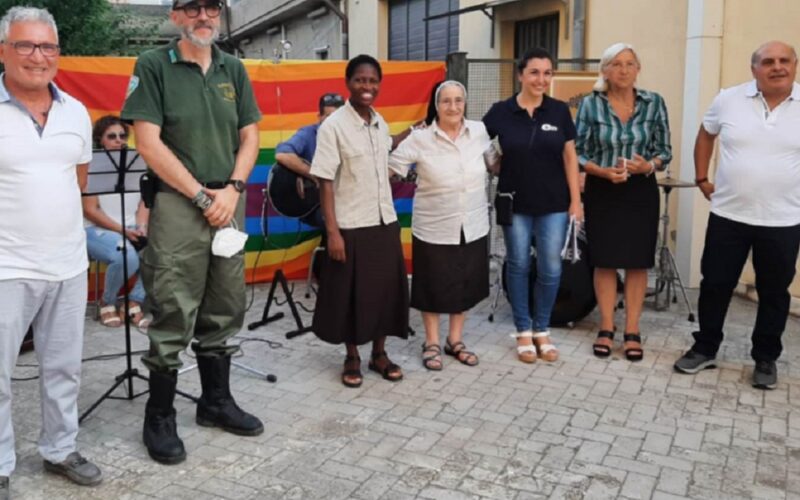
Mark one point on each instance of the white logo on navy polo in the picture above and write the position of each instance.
(549, 128)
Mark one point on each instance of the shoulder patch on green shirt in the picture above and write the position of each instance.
(132, 84)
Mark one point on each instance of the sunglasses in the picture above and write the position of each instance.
(112, 136)
(192, 9)
(332, 100)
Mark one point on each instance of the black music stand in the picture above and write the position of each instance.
(108, 175)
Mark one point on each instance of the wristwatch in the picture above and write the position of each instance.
(238, 185)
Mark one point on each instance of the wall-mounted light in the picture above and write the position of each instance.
(281, 51)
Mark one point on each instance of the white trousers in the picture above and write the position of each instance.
(56, 309)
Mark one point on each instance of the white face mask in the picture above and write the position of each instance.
(228, 241)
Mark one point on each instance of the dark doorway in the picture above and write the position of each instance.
(537, 32)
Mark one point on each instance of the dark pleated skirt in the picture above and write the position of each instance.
(622, 222)
(365, 297)
(449, 279)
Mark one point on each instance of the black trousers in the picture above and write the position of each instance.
(774, 255)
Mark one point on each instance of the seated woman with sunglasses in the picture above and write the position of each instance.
(104, 230)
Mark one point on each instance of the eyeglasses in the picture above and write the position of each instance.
(332, 100)
(192, 9)
(27, 48)
(112, 136)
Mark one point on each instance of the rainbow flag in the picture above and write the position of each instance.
(287, 94)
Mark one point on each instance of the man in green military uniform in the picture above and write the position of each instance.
(195, 118)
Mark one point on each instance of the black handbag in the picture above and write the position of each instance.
(504, 208)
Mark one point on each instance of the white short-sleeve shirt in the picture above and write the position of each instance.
(354, 155)
(758, 173)
(110, 205)
(41, 226)
(451, 182)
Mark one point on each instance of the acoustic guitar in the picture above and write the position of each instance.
(282, 193)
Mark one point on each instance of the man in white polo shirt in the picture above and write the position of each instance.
(755, 205)
(45, 139)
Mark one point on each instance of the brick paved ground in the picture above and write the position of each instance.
(579, 428)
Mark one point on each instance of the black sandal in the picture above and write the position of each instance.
(436, 355)
(633, 353)
(387, 370)
(352, 372)
(463, 356)
(603, 350)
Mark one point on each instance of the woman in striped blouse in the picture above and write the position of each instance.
(623, 138)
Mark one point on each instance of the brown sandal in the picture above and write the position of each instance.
(390, 372)
(460, 352)
(352, 373)
(434, 355)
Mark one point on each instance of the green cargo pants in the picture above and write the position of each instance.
(191, 292)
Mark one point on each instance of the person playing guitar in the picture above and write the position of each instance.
(293, 167)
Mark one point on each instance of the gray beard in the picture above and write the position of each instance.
(197, 41)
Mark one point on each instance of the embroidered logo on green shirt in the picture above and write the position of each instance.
(228, 92)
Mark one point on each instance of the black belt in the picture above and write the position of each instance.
(166, 188)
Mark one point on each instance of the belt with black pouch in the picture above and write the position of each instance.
(150, 184)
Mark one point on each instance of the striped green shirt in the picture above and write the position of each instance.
(602, 137)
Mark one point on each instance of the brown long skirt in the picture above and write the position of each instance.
(365, 297)
(449, 279)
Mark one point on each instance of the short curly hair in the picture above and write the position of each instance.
(102, 124)
(357, 61)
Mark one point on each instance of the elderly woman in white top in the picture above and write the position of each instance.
(450, 223)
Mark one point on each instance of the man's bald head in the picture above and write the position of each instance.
(758, 53)
(774, 67)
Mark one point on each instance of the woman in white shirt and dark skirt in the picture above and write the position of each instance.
(363, 295)
(450, 223)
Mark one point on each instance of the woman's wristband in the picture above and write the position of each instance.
(700, 181)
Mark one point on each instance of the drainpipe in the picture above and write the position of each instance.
(579, 30)
(232, 43)
(345, 26)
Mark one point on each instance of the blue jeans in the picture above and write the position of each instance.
(546, 233)
(104, 246)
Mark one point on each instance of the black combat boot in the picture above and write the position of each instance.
(160, 433)
(216, 407)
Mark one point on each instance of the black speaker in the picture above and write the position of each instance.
(575, 299)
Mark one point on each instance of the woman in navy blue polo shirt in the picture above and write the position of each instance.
(539, 173)
(623, 137)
